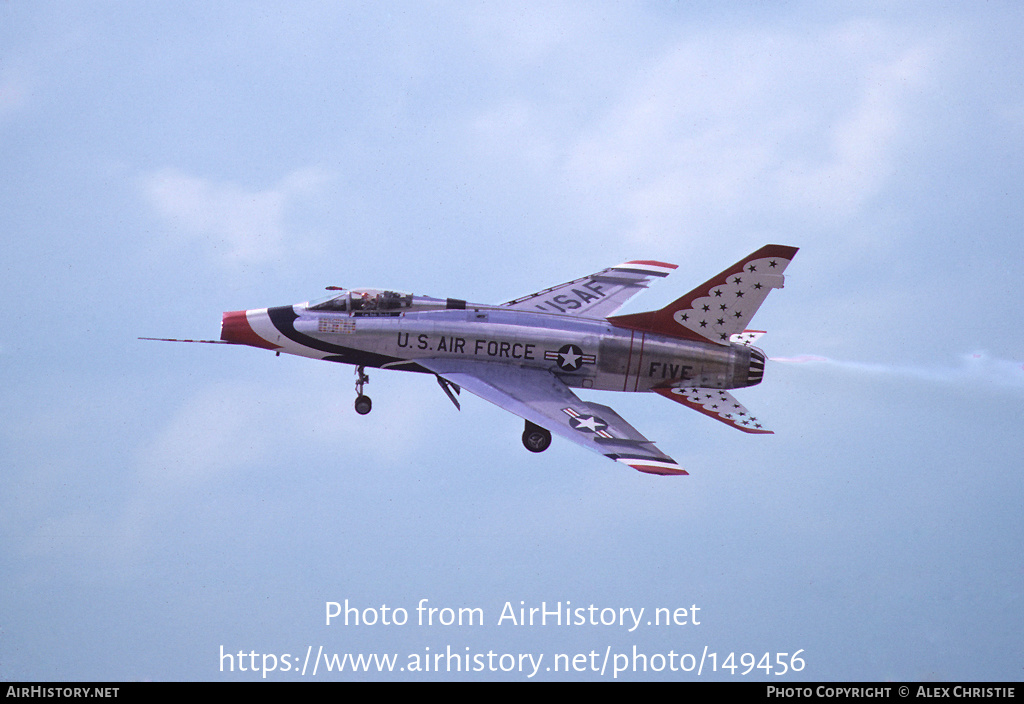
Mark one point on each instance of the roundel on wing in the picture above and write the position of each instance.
(587, 424)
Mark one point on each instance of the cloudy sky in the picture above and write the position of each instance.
(162, 504)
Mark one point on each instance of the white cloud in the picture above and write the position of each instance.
(13, 93)
(221, 436)
(858, 158)
(209, 436)
(727, 126)
(235, 224)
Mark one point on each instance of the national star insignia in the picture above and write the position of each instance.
(569, 357)
(586, 423)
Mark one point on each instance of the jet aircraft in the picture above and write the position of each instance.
(527, 355)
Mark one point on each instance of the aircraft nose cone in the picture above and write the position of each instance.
(235, 327)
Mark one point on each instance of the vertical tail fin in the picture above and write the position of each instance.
(723, 305)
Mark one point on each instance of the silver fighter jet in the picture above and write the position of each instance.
(527, 355)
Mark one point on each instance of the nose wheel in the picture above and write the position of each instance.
(363, 403)
(536, 438)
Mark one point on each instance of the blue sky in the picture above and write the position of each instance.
(165, 163)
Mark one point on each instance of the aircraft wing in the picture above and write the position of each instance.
(539, 397)
(595, 296)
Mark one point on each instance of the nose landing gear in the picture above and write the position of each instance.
(363, 403)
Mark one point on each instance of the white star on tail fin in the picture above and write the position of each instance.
(719, 404)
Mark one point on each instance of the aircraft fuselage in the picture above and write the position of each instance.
(581, 352)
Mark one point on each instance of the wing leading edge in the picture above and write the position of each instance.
(536, 395)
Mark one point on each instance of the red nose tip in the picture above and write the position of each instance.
(234, 327)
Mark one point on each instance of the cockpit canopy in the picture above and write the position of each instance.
(365, 300)
(377, 302)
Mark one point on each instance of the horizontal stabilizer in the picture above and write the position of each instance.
(718, 404)
(747, 337)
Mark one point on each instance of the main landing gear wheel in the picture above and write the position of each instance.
(536, 438)
(363, 402)
(363, 405)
